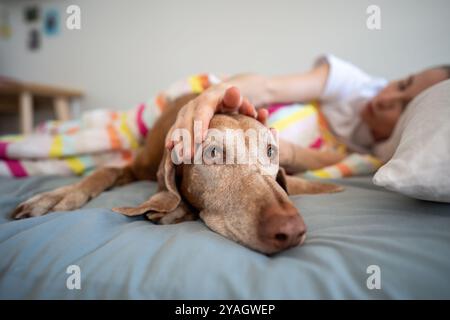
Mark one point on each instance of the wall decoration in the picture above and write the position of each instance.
(31, 14)
(5, 25)
(51, 22)
(34, 40)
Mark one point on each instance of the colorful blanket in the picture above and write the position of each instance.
(111, 138)
(306, 126)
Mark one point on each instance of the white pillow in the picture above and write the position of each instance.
(420, 165)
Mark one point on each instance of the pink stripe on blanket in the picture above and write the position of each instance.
(316, 144)
(16, 168)
(3, 146)
(140, 122)
(274, 107)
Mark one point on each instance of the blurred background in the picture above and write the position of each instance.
(126, 51)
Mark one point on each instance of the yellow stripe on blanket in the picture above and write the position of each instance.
(76, 165)
(305, 112)
(127, 132)
(320, 173)
(377, 163)
(196, 84)
(56, 147)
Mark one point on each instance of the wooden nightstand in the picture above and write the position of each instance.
(19, 96)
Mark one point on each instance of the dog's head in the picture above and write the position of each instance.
(244, 199)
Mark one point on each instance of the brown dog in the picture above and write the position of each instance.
(237, 200)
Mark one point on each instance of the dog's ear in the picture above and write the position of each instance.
(296, 185)
(165, 206)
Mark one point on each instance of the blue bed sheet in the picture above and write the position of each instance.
(130, 258)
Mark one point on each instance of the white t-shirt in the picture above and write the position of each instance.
(347, 91)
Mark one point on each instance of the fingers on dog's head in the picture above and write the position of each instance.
(232, 98)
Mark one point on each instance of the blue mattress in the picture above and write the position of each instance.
(130, 258)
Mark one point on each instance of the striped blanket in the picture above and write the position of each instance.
(111, 138)
(305, 125)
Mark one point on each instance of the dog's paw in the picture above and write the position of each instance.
(62, 199)
(331, 188)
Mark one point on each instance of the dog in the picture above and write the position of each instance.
(234, 200)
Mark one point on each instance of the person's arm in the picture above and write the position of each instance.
(242, 93)
(295, 159)
(261, 90)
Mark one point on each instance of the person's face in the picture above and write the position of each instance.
(383, 111)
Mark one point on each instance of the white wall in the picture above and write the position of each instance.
(128, 50)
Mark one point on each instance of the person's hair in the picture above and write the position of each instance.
(446, 68)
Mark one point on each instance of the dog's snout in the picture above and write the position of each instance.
(281, 227)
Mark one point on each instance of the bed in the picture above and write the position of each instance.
(131, 258)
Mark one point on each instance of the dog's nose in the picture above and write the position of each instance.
(281, 227)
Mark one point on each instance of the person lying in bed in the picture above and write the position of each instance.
(361, 110)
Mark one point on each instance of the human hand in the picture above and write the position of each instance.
(217, 99)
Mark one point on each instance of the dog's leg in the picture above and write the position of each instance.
(294, 158)
(144, 167)
(75, 195)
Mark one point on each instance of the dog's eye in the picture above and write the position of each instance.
(270, 151)
(213, 155)
(213, 152)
